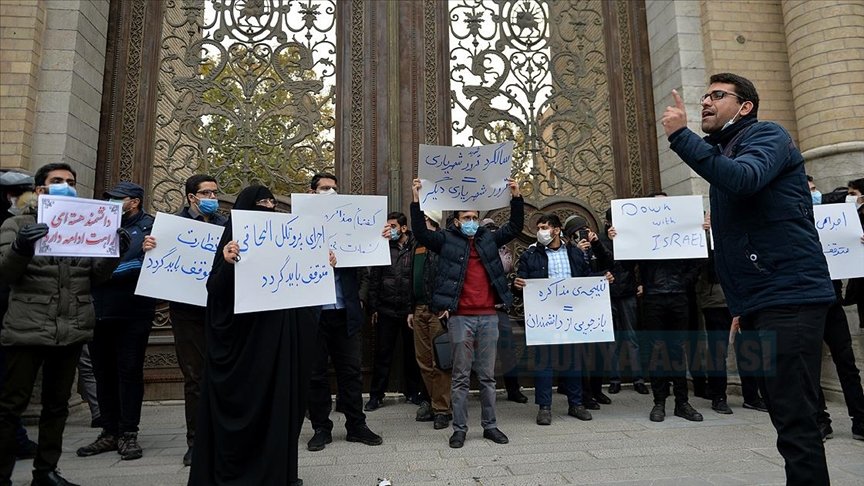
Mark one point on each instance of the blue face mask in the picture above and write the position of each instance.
(208, 206)
(817, 197)
(395, 234)
(469, 228)
(62, 189)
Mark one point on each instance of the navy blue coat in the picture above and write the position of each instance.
(767, 250)
(452, 246)
(534, 262)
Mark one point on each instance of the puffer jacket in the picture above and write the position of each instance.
(389, 286)
(452, 246)
(766, 245)
(50, 302)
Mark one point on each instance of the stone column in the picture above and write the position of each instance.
(826, 56)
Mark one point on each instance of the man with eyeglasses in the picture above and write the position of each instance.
(768, 256)
(187, 320)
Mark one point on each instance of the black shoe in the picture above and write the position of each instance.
(591, 404)
(495, 436)
(719, 405)
(50, 478)
(516, 396)
(603, 399)
(299, 482)
(457, 440)
(416, 399)
(858, 430)
(424, 413)
(442, 420)
(106, 442)
(127, 446)
(319, 440)
(757, 405)
(187, 458)
(544, 416)
(373, 404)
(687, 412)
(364, 435)
(641, 388)
(26, 449)
(658, 413)
(614, 388)
(580, 412)
(826, 431)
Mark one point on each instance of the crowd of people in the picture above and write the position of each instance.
(446, 298)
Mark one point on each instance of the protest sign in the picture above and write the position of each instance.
(661, 228)
(177, 269)
(840, 234)
(353, 223)
(79, 227)
(570, 310)
(284, 262)
(465, 177)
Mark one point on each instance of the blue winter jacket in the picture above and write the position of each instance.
(767, 250)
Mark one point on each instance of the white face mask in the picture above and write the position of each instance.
(732, 121)
(854, 200)
(327, 191)
(544, 237)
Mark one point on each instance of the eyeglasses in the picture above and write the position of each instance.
(267, 203)
(208, 193)
(719, 94)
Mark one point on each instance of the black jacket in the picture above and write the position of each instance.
(534, 262)
(430, 272)
(624, 271)
(453, 248)
(389, 286)
(660, 277)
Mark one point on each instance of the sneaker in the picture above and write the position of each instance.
(457, 440)
(106, 442)
(603, 399)
(319, 440)
(128, 448)
(719, 405)
(758, 405)
(495, 436)
(579, 411)
(516, 396)
(544, 416)
(687, 412)
(26, 449)
(614, 388)
(364, 435)
(858, 431)
(826, 431)
(50, 478)
(591, 404)
(424, 413)
(641, 388)
(187, 458)
(658, 413)
(373, 404)
(442, 421)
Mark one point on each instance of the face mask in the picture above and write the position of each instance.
(544, 237)
(327, 191)
(469, 228)
(395, 234)
(817, 197)
(730, 122)
(123, 203)
(62, 189)
(208, 206)
(853, 200)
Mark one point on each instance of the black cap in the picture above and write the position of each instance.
(126, 189)
(574, 223)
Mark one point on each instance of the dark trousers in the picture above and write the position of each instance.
(58, 372)
(666, 319)
(626, 350)
(187, 322)
(839, 343)
(790, 340)
(388, 332)
(117, 351)
(345, 352)
(596, 359)
(566, 360)
(718, 321)
(507, 357)
(20, 432)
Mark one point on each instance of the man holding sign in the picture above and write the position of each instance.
(768, 255)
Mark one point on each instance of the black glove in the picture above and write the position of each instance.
(125, 240)
(25, 243)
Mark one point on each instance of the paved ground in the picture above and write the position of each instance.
(620, 446)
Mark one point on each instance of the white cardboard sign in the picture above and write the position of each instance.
(465, 177)
(661, 228)
(79, 227)
(840, 234)
(570, 310)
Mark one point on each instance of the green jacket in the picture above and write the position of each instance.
(50, 303)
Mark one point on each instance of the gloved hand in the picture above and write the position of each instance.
(25, 243)
(125, 240)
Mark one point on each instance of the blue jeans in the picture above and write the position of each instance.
(474, 340)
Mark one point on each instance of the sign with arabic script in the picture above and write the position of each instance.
(284, 262)
(79, 227)
(840, 234)
(353, 223)
(569, 310)
(464, 177)
(177, 269)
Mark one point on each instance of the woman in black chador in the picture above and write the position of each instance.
(253, 398)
